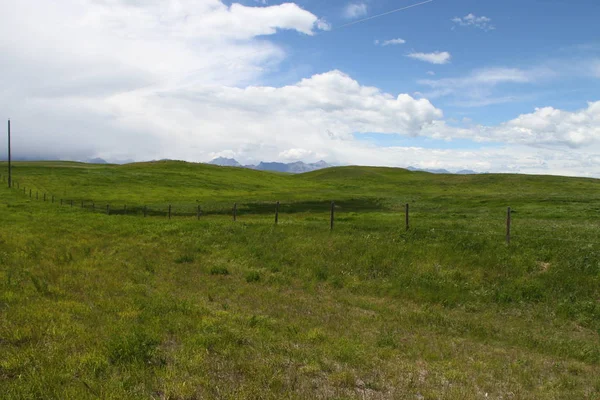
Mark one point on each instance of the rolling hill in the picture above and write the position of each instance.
(122, 306)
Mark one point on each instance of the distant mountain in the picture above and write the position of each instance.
(96, 161)
(297, 167)
(443, 171)
(431, 171)
(225, 162)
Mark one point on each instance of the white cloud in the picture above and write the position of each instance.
(474, 21)
(355, 10)
(299, 154)
(430, 73)
(437, 57)
(122, 79)
(476, 88)
(390, 42)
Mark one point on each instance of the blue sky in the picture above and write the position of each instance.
(527, 35)
(497, 86)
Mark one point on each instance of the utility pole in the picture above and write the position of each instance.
(9, 158)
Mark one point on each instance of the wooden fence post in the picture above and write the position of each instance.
(508, 226)
(277, 213)
(107, 209)
(332, 216)
(93, 206)
(198, 213)
(407, 216)
(145, 211)
(125, 209)
(44, 196)
(169, 211)
(234, 211)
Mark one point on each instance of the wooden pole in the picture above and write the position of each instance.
(407, 216)
(44, 196)
(332, 216)
(235, 211)
(125, 209)
(9, 158)
(277, 213)
(107, 209)
(198, 213)
(508, 226)
(169, 211)
(93, 206)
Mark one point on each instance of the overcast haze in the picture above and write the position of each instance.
(509, 87)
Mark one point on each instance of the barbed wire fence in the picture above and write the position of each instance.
(38, 192)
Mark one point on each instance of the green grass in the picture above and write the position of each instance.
(121, 306)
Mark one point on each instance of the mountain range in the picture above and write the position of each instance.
(297, 167)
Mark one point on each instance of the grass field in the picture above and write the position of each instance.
(121, 306)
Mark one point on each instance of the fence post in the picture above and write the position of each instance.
(61, 202)
(198, 213)
(107, 209)
(71, 203)
(125, 209)
(407, 216)
(234, 211)
(508, 226)
(145, 211)
(44, 196)
(169, 211)
(332, 216)
(93, 206)
(277, 213)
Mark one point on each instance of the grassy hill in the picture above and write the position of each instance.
(121, 306)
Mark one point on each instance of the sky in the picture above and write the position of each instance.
(508, 86)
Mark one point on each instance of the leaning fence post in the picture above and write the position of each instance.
(331, 218)
(508, 226)
(277, 213)
(407, 216)
(234, 211)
